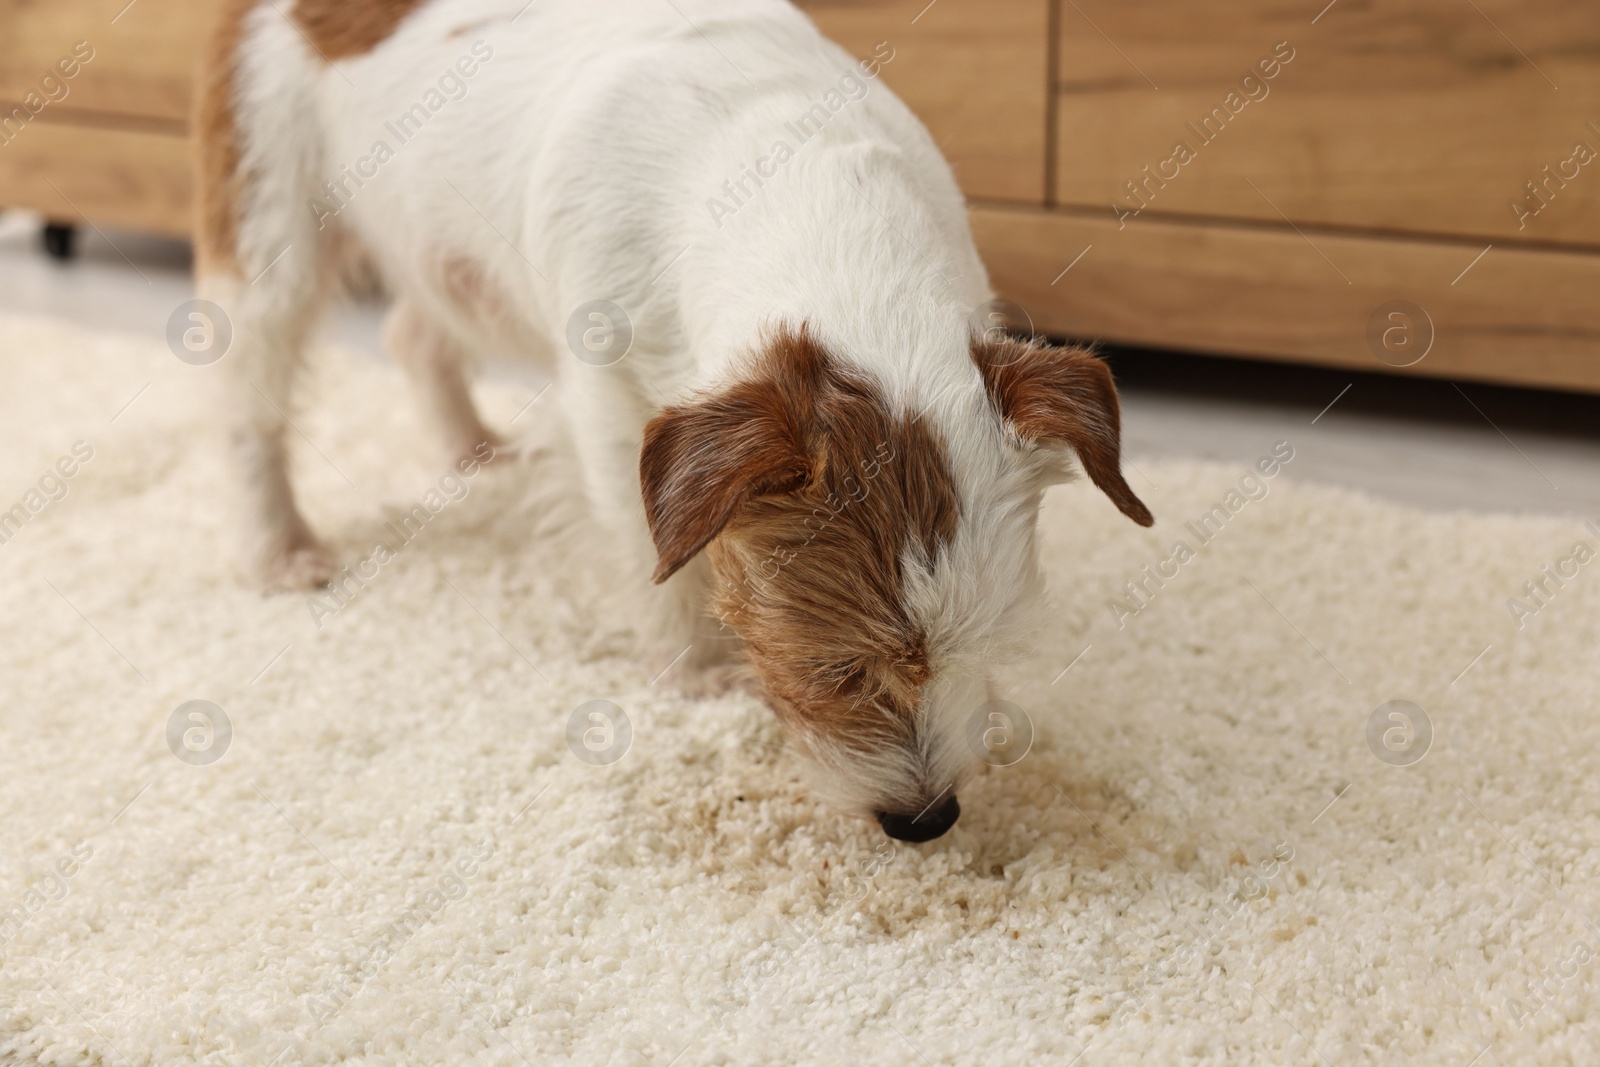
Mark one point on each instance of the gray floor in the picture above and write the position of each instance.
(1436, 444)
(1428, 443)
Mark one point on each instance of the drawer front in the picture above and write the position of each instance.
(975, 71)
(140, 180)
(142, 64)
(1524, 316)
(1421, 118)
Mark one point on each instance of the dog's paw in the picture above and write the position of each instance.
(300, 565)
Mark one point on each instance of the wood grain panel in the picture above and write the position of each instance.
(1421, 117)
(143, 54)
(138, 180)
(975, 71)
(1517, 316)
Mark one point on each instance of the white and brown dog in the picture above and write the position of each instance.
(807, 437)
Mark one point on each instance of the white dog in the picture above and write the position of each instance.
(752, 271)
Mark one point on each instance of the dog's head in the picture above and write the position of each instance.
(877, 560)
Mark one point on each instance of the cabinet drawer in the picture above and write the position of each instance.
(1523, 316)
(143, 56)
(1421, 118)
(976, 72)
(138, 179)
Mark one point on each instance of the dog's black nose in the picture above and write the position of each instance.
(919, 828)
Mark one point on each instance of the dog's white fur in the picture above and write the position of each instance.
(582, 164)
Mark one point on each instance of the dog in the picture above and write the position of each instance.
(806, 438)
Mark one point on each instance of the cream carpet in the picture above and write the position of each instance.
(397, 859)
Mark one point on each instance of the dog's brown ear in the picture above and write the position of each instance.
(1062, 396)
(701, 461)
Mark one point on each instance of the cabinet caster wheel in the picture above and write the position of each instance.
(60, 241)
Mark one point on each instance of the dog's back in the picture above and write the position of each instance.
(471, 144)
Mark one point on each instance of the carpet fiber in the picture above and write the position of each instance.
(1214, 852)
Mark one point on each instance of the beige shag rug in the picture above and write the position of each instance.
(396, 857)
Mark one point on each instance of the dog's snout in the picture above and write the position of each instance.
(922, 827)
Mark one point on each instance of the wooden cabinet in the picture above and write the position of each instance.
(1203, 205)
(1530, 316)
(1396, 148)
(1253, 178)
(977, 73)
(135, 178)
(110, 140)
(1417, 118)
